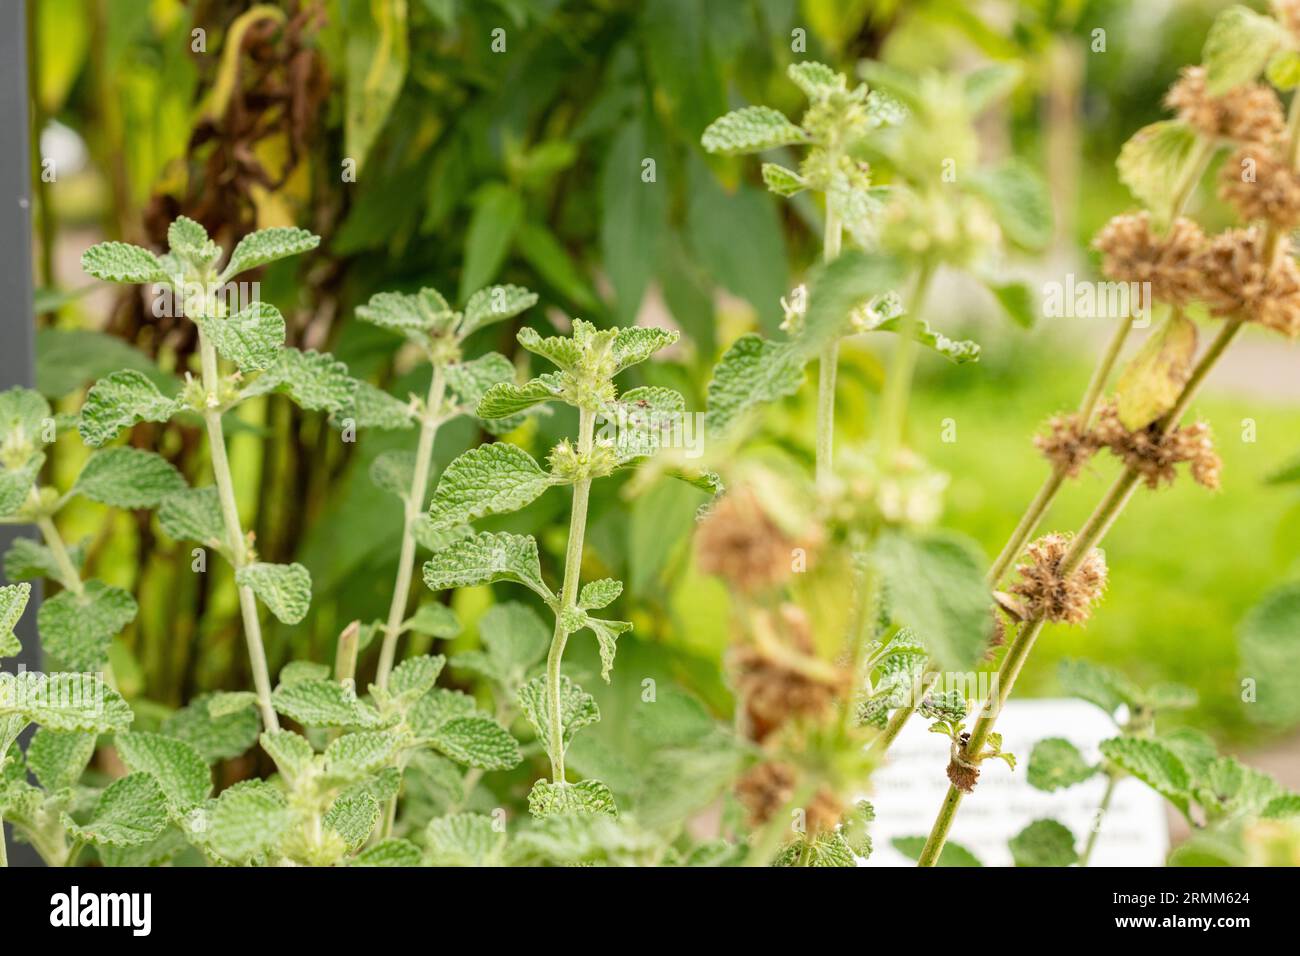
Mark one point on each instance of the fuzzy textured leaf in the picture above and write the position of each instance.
(424, 311)
(1055, 763)
(76, 628)
(193, 514)
(247, 821)
(495, 304)
(590, 797)
(268, 245)
(118, 401)
(58, 757)
(577, 709)
(751, 130)
(128, 478)
(251, 338)
(284, 588)
(506, 399)
(179, 770)
(324, 703)
(131, 811)
(477, 742)
(122, 262)
(488, 557)
(314, 380)
(753, 370)
(490, 479)
(464, 839)
(1044, 843)
(1153, 763)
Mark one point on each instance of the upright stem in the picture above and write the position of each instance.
(68, 575)
(827, 366)
(1096, 824)
(4, 850)
(235, 542)
(899, 718)
(1025, 529)
(414, 503)
(568, 596)
(898, 381)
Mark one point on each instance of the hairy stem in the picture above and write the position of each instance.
(235, 542)
(568, 596)
(898, 381)
(4, 849)
(1096, 823)
(827, 366)
(414, 503)
(1026, 527)
(899, 718)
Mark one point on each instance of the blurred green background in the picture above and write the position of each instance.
(454, 143)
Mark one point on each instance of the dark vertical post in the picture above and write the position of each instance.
(17, 325)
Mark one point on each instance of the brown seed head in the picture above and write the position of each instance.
(764, 789)
(1248, 114)
(1236, 281)
(1287, 13)
(740, 543)
(1260, 185)
(1047, 593)
(963, 776)
(1068, 444)
(1133, 252)
(1154, 453)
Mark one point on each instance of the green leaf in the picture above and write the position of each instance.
(953, 854)
(1153, 763)
(292, 753)
(122, 262)
(469, 381)
(495, 304)
(179, 770)
(324, 703)
(598, 594)
(782, 181)
(58, 758)
(1055, 763)
(1269, 642)
(477, 742)
(1020, 203)
(372, 407)
(64, 701)
(394, 472)
(284, 588)
(1284, 70)
(68, 359)
(188, 241)
(1098, 685)
(957, 351)
(753, 370)
(606, 632)
(497, 214)
(436, 708)
(214, 736)
(415, 676)
(252, 338)
(548, 799)
(376, 54)
(577, 709)
(1282, 807)
(128, 478)
(13, 601)
(389, 852)
(314, 380)
(425, 311)
(1239, 44)
(505, 398)
(515, 639)
(247, 822)
(119, 401)
(634, 213)
(76, 628)
(1017, 300)
(353, 816)
(222, 703)
(464, 839)
(751, 130)
(357, 755)
(268, 245)
(1150, 384)
(936, 587)
(1044, 843)
(24, 415)
(560, 350)
(636, 344)
(28, 560)
(435, 620)
(838, 288)
(490, 479)
(987, 85)
(131, 811)
(193, 514)
(295, 671)
(1153, 160)
(485, 558)
(817, 80)
(16, 485)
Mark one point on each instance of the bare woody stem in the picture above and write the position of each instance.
(413, 504)
(236, 544)
(827, 366)
(568, 597)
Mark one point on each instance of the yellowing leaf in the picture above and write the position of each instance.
(1155, 377)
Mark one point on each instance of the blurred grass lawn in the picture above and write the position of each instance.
(1185, 563)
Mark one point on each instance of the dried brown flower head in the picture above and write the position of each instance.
(764, 789)
(1236, 281)
(773, 688)
(1260, 185)
(1249, 114)
(1068, 444)
(1154, 453)
(962, 773)
(1133, 252)
(740, 543)
(1047, 593)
